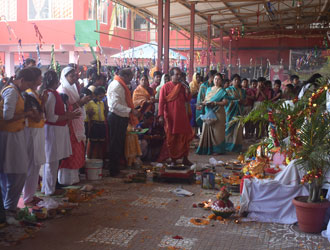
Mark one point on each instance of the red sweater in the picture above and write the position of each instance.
(59, 109)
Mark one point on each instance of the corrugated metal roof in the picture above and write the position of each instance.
(252, 16)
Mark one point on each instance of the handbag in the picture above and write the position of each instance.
(209, 117)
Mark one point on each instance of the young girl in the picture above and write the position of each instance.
(96, 125)
(57, 135)
(35, 140)
(13, 147)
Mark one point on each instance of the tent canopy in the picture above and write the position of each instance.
(146, 51)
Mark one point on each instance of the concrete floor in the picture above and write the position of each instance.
(147, 216)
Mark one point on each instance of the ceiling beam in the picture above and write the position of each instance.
(283, 17)
(247, 15)
(325, 8)
(218, 10)
(186, 5)
(285, 22)
(234, 13)
(217, 1)
(263, 13)
(288, 21)
(153, 5)
(147, 14)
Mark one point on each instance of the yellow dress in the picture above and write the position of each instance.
(132, 146)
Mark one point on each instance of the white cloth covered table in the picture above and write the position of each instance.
(270, 200)
(290, 174)
(326, 233)
(293, 173)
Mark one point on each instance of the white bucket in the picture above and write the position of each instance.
(94, 169)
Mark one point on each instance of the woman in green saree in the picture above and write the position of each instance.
(200, 110)
(234, 132)
(212, 140)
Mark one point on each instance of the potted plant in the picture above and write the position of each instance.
(307, 126)
(314, 157)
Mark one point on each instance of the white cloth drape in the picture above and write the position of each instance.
(326, 233)
(270, 200)
(290, 174)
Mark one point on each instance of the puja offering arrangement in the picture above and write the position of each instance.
(235, 166)
(256, 168)
(205, 204)
(223, 206)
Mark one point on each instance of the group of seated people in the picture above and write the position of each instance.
(53, 123)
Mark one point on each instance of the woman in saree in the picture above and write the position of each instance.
(165, 79)
(194, 88)
(212, 140)
(144, 97)
(234, 132)
(68, 173)
(200, 110)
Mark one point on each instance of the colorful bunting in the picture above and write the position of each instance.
(9, 28)
(38, 34)
(93, 53)
(20, 54)
(38, 54)
(52, 59)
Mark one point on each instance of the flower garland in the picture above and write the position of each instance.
(199, 222)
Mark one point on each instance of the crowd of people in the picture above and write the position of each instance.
(53, 122)
(218, 101)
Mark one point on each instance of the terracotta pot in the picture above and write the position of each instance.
(310, 215)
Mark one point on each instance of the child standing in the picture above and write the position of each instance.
(277, 91)
(58, 145)
(96, 125)
(132, 146)
(35, 140)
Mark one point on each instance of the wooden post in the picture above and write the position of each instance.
(192, 40)
(208, 60)
(160, 35)
(221, 48)
(167, 37)
(229, 66)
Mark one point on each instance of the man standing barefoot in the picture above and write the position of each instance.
(173, 112)
(121, 112)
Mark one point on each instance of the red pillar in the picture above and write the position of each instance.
(229, 66)
(160, 35)
(167, 37)
(221, 48)
(192, 39)
(208, 60)
(236, 56)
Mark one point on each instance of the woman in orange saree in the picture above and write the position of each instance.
(144, 97)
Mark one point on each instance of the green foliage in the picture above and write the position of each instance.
(252, 150)
(281, 111)
(306, 123)
(314, 155)
(25, 215)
